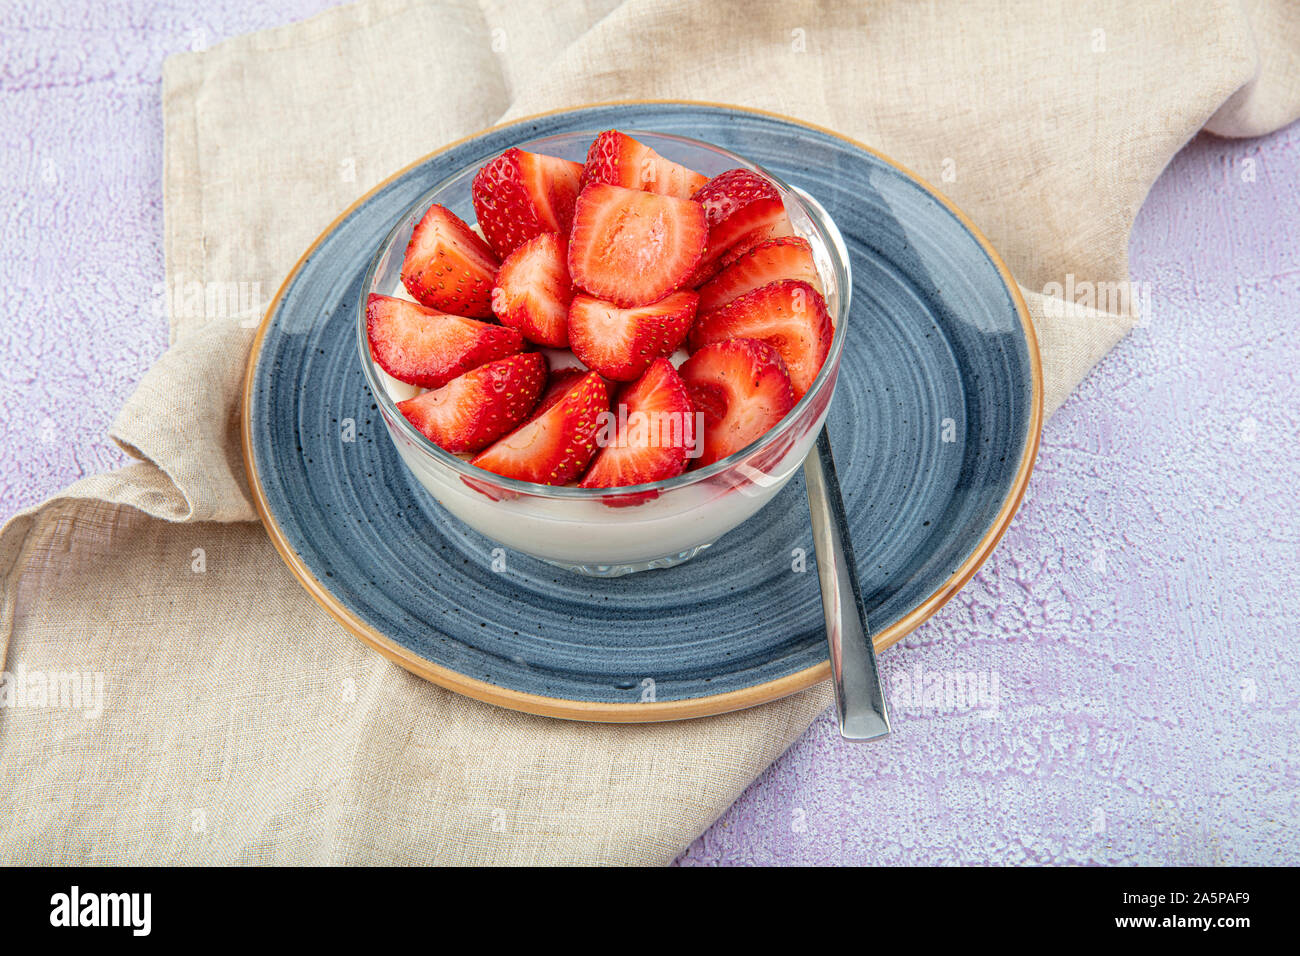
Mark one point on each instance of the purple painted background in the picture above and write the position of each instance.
(1134, 635)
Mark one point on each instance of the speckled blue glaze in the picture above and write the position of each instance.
(930, 421)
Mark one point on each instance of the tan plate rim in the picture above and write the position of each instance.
(655, 710)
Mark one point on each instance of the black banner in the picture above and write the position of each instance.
(332, 905)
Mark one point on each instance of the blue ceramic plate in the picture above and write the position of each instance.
(935, 424)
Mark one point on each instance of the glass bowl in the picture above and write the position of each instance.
(613, 531)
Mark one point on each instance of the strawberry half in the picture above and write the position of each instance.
(533, 291)
(619, 160)
(480, 406)
(769, 261)
(705, 270)
(778, 228)
(619, 343)
(520, 195)
(447, 266)
(742, 389)
(555, 447)
(631, 247)
(789, 315)
(557, 386)
(654, 431)
(737, 203)
(428, 348)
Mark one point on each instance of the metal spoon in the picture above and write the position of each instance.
(859, 696)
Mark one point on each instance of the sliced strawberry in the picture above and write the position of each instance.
(533, 291)
(742, 389)
(619, 160)
(631, 247)
(555, 447)
(737, 203)
(520, 195)
(425, 347)
(710, 266)
(480, 406)
(447, 266)
(621, 343)
(773, 259)
(705, 270)
(789, 315)
(557, 386)
(778, 228)
(653, 432)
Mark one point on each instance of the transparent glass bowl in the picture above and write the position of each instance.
(613, 531)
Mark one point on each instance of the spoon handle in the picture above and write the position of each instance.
(859, 696)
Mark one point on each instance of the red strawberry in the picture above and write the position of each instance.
(447, 266)
(557, 386)
(631, 247)
(789, 315)
(654, 433)
(739, 202)
(555, 447)
(705, 270)
(533, 291)
(742, 389)
(770, 260)
(620, 160)
(520, 195)
(429, 348)
(778, 228)
(479, 407)
(619, 343)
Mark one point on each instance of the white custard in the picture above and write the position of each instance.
(585, 531)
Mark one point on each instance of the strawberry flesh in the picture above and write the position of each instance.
(742, 389)
(653, 432)
(555, 447)
(619, 343)
(619, 160)
(472, 411)
(425, 347)
(520, 195)
(789, 315)
(447, 266)
(769, 261)
(738, 203)
(778, 228)
(533, 291)
(710, 265)
(631, 247)
(557, 386)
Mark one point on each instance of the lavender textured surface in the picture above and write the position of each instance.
(1133, 636)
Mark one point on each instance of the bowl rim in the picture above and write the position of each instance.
(668, 710)
(830, 237)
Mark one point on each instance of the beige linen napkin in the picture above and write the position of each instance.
(237, 722)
